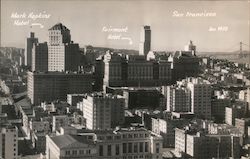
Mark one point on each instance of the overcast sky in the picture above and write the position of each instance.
(86, 20)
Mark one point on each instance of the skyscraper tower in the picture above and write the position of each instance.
(145, 41)
(28, 49)
(63, 54)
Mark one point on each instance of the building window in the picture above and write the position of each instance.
(135, 147)
(117, 149)
(100, 150)
(157, 147)
(109, 150)
(141, 146)
(129, 147)
(88, 152)
(124, 147)
(74, 152)
(81, 152)
(109, 137)
(146, 146)
(67, 152)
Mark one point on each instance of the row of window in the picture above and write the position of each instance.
(77, 152)
(124, 136)
(130, 147)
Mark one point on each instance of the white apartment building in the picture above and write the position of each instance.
(200, 97)
(9, 142)
(103, 111)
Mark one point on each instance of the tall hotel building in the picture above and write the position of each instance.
(135, 71)
(28, 51)
(145, 41)
(103, 111)
(200, 97)
(9, 142)
(63, 54)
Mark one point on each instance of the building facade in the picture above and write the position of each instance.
(112, 144)
(199, 145)
(200, 97)
(103, 111)
(184, 64)
(178, 99)
(121, 71)
(218, 107)
(166, 128)
(49, 86)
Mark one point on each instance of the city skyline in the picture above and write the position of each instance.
(170, 33)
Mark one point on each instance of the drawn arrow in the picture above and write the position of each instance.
(129, 39)
(39, 24)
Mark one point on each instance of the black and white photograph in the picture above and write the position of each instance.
(124, 79)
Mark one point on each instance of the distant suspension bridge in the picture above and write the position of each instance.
(238, 53)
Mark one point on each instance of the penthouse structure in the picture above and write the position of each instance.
(49, 86)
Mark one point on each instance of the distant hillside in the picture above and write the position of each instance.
(231, 56)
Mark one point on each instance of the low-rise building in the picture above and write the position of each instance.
(60, 121)
(112, 144)
(197, 144)
(166, 128)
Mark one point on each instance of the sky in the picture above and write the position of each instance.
(86, 20)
